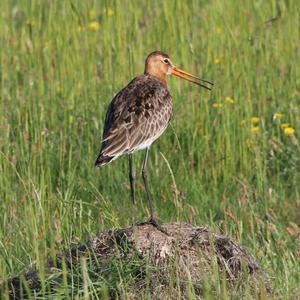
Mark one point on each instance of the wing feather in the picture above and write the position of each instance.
(138, 114)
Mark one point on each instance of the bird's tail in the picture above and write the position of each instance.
(102, 160)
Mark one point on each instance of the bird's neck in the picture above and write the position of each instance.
(157, 74)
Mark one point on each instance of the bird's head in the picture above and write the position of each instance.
(159, 64)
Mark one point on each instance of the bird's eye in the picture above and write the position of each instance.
(166, 61)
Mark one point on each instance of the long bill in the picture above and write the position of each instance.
(187, 76)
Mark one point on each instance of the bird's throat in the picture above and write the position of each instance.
(157, 74)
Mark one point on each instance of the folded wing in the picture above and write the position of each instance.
(137, 116)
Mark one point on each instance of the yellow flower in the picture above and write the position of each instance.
(94, 25)
(218, 29)
(217, 105)
(109, 12)
(30, 23)
(255, 120)
(289, 131)
(59, 89)
(80, 28)
(92, 14)
(242, 122)
(229, 100)
(255, 129)
(278, 116)
(249, 142)
(285, 125)
(217, 60)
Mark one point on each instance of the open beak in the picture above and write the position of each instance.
(187, 76)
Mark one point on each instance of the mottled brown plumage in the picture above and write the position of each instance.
(140, 113)
(137, 115)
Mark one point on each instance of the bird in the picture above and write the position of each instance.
(138, 115)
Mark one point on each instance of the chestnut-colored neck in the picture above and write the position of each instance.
(161, 76)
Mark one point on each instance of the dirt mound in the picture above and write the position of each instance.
(184, 260)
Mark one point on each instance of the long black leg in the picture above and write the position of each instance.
(132, 191)
(146, 183)
(153, 219)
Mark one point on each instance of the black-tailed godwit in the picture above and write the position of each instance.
(139, 114)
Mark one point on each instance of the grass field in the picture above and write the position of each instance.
(229, 160)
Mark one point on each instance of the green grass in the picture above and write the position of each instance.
(58, 73)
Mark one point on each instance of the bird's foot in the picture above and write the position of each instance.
(154, 223)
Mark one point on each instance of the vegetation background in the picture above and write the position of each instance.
(229, 160)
